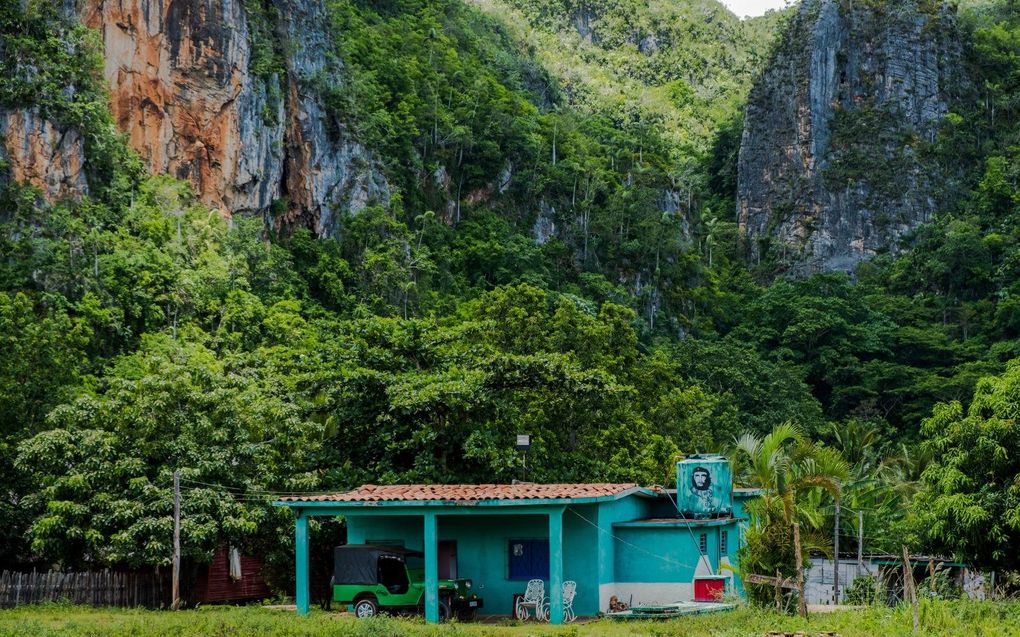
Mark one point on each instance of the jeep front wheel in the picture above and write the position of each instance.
(365, 607)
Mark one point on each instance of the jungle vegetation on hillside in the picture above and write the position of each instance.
(141, 334)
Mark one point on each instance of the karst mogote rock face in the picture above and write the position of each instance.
(37, 152)
(834, 161)
(184, 91)
(42, 153)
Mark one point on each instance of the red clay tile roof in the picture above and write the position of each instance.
(467, 492)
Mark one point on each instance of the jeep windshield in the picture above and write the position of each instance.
(415, 563)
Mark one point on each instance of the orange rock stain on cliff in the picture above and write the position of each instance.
(40, 154)
(174, 94)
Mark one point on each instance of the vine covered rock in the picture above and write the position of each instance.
(837, 158)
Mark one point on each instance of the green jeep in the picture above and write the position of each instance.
(374, 578)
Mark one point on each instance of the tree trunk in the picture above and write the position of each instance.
(908, 587)
(802, 602)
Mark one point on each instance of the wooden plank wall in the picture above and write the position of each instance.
(100, 588)
(215, 584)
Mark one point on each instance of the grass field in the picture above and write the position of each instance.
(978, 619)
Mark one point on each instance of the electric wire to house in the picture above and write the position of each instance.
(640, 549)
(676, 505)
(250, 492)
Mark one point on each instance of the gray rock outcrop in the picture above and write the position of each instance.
(833, 165)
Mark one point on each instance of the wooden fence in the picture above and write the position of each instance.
(101, 588)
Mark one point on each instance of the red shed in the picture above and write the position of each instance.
(215, 584)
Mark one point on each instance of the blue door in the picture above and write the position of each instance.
(529, 559)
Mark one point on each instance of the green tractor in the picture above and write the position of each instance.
(372, 579)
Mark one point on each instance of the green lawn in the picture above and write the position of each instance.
(937, 618)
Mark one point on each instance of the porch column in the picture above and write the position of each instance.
(301, 596)
(431, 570)
(607, 566)
(556, 567)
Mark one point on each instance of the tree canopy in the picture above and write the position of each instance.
(143, 333)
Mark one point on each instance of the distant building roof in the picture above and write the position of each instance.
(744, 492)
(470, 492)
(677, 521)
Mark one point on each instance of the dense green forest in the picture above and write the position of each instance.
(143, 333)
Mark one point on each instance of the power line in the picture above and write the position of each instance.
(689, 529)
(254, 490)
(631, 544)
(254, 498)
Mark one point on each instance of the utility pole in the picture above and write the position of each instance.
(860, 541)
(835, 555)
(802, 602)
(524, 444)
(177, 543)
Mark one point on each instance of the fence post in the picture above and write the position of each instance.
(779, 592)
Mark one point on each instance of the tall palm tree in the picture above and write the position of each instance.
(786, 464)
(794, 475)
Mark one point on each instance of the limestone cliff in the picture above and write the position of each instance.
(834, 163)
(34, 149)
(40, 153)
(184, 91)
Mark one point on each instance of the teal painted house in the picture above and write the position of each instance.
(645, 546)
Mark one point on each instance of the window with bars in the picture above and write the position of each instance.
(722, 542)
(703, 543)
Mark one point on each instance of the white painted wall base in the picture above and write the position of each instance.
(704, 567)
(645, 593)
